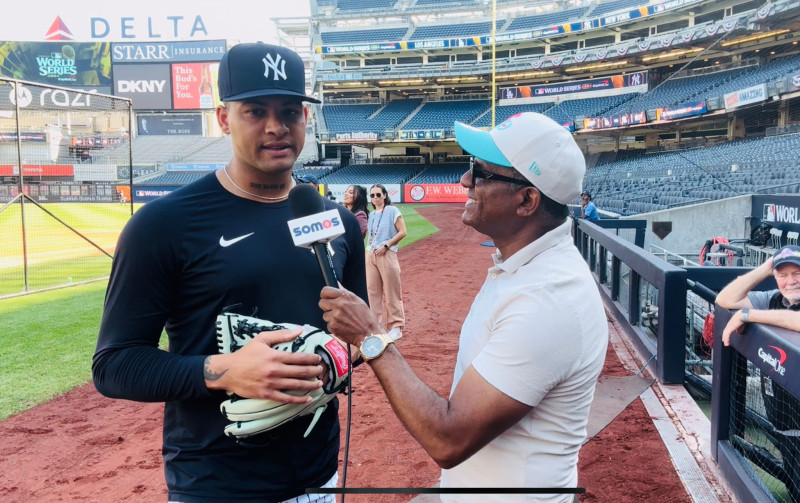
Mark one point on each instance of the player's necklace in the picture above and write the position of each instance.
(265, 198)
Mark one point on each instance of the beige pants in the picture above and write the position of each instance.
(384, 289)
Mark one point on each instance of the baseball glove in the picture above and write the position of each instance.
(252, 416)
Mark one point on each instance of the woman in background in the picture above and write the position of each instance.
(355, 200)
(386, 229)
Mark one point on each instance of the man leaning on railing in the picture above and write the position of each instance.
(781, 308)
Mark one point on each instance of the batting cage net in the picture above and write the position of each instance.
(765, 430)
(61, 207)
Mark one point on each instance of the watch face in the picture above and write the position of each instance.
(372, 346)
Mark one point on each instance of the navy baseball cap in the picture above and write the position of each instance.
(788, 254)
(258, 69)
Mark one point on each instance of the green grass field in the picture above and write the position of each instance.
(49, 337)
(58, 252)
(47, 343)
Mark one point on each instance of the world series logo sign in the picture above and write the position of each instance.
(769, 213)
(781, 213)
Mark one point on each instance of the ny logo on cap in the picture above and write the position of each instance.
(269, 62)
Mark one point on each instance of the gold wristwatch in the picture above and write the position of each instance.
(374, 346)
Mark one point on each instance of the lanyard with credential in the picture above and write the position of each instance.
(374, 232)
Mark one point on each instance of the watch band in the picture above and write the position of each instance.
(745, 313)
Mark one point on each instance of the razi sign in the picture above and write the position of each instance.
(34, 97)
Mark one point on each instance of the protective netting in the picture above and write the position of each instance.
(765, 430)
(60, 211)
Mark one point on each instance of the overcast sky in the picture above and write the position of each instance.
(245, 21)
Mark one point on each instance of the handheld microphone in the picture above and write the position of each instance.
(313, 227)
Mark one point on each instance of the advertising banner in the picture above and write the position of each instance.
(639, 117)
(183, 166)
(746, 96)
(193, 85)
(614, 82)
(95, 172)
(619, 120)
(37, 98)
(65, 63)
(681, 111)
(147, 85)
(94, 141)
(32, 137)
(36, 170)
(150, 192)
(425, 134)
(393, 189)
(175, 52)
(170, 124)
(382, 47)
(777, 210)
(434, 193)
(356, 137)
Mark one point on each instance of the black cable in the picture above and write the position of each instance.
(349, 411)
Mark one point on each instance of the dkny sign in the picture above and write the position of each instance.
(147, 85)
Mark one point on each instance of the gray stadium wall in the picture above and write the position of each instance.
(693, 225)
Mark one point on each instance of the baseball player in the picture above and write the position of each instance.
(220, 244)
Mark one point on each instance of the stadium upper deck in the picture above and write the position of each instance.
(408, 48)
(564, 59)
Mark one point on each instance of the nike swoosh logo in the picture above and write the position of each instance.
(227, 242)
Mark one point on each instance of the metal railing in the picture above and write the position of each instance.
(618, 263)
(756, 460)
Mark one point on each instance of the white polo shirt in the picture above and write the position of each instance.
(537, 331)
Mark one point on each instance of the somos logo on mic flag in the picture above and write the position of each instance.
(317, 228)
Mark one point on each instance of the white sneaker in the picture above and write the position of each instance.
(395, 333)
